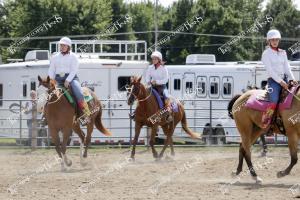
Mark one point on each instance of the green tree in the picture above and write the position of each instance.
(78, 17)
(286, 20)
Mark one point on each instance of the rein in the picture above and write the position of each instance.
(58, 97)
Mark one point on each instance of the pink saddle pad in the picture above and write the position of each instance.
(257, 103)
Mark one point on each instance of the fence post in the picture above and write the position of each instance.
(34, 126)
(130, 125)
(20, 125)
(210, 123)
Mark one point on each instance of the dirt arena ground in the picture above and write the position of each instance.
(194, 173)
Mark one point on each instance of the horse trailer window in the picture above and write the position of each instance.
(227, 88)
(32, 85)
(24, 90)
(214, 83)
(177, 84)
(214, 88)
(1, 94)
(201, 86)
(189, 87)
(122, 82)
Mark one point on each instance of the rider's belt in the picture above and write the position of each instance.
(61, 74)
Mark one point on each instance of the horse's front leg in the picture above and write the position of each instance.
(293, 147)
(138, 127)
(55, 139)
(66, 136)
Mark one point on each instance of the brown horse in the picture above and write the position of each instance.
(60, 115)
(148, 107)
(249, 125)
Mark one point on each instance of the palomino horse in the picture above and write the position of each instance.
(60, 115)
(147, 107)
(249, 125)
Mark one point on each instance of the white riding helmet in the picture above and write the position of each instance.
(66, 41)
(273, 34)
(156, 54)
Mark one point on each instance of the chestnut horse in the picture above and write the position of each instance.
(249, 125)
(60, 115)
(148, 107)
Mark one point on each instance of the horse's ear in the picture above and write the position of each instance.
(39, 78)
(140, 78)
(48, 79)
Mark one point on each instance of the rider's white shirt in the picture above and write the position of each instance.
(276, 64)
(60, 64)
(160, 75)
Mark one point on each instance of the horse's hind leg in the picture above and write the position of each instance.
(66, 136)
(241, 159)
(87, 141)
(248, 138)
(152, 141)
(293, 146)
(168, 132)
(80, 133)
(172, 147)
(242, 153)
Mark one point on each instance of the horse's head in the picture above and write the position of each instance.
(46, 85)
(133, 90)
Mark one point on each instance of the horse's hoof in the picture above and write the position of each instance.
(158, 159)
(263, 154)
(132, 159)
(63, 169)
(83, 163)
(280, 174)
(234, 174)
(68, 163)
(171, 158)
(258, 180)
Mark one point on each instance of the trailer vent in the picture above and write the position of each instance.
(37, 55)
(201, 59)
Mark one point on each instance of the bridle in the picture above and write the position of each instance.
(128, 88)
(56, 91)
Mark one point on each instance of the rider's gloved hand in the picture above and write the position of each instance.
(67, 84)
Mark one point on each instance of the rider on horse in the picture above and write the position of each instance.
(64, 68)
(157, 76)
(279, 72)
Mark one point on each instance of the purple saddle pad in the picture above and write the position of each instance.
(161, 103)
(259, 104)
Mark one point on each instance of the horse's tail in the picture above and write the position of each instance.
(99, 125)
(230, 105)
(187, 129)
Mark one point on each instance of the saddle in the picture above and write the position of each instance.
(260, 101)
(72, 100)
(161, 101)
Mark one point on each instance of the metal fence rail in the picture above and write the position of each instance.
(210, 118)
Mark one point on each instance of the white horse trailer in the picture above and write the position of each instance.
(209, 85)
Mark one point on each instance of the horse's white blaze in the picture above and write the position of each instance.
(42, 97)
